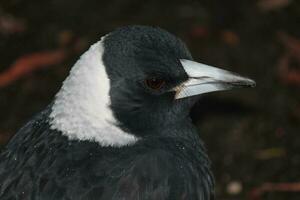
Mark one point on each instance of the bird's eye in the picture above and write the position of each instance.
(154, 83)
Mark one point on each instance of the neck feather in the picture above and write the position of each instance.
(81, 109)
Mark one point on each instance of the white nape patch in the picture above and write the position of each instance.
(81, 108)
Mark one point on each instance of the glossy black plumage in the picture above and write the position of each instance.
(40, 163)
(168, 162)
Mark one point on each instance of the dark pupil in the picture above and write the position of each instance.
(155, 83)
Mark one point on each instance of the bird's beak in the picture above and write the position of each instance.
(204, 79)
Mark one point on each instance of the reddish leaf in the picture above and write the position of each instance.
(28, 63)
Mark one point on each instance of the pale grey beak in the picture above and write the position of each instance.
(204, 79)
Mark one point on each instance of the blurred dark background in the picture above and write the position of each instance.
(252, 135)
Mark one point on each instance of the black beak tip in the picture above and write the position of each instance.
(252, 84)
(244, 83)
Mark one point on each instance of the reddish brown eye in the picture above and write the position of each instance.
(155, 83)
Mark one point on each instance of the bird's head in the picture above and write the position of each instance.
(138, 79)
(152, 74)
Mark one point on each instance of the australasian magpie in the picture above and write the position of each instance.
(119, 127)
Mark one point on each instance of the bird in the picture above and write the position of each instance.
(119, 127)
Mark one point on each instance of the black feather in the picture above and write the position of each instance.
(40, 163)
